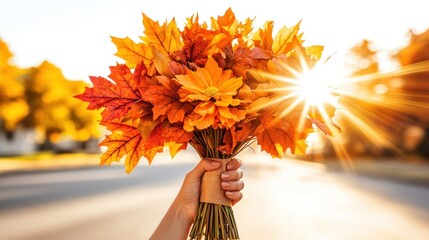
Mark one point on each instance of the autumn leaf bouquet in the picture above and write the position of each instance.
(218, 87)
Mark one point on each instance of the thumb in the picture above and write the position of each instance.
(203, 166)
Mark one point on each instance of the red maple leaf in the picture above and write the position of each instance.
(118, 96)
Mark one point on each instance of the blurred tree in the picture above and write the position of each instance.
(416, 54)
(364, 58)
(394, 106)
(13, 106)
(375, 102)
(54, 110)
(41, 98)
(416, 85)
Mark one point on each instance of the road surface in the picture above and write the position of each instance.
(283, 199)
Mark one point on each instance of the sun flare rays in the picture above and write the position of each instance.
(366, 105)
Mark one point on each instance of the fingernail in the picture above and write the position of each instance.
(225, 184)
(229, 194)
(215, 163)
(229, 166)
(224, 175)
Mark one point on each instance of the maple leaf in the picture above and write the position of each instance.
(175, 137)
(264, 36)
(146, 125)
(246, 59)
(229, 24)
(329, 128)
(237, 134)
(133, 53)
(286, 39)
(142, 138)
(125, 140)
(322, 118)
(154, 143)
(116, 99)
(165, 38)
(165, 66)
(300, 146)
(168, 135)
(200, 42)
(166, 100)
(275, 138)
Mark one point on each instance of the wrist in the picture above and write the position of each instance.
(181, 213)
(175, 224)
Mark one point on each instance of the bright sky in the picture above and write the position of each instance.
(75, 34)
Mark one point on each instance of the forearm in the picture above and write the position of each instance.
(174, 225)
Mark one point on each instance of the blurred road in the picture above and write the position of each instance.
(282, 200)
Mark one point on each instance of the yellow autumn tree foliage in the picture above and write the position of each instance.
(54, 111)
(13, 106)
(42, 98)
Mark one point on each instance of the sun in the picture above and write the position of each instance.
(303, 89)
(318, 85)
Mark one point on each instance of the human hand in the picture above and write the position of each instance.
(183, 211)
(188, 196)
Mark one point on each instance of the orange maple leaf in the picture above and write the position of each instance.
(175, 137)
(125, 140)
(264, 36)
(228, 24)
(275, 138)
(168, 135)
(166, 100)
(235, 136)
(144, 138)
(200, 42)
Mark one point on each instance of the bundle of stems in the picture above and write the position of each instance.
(214, 221)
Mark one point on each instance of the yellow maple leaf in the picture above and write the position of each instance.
(133, 53)
(165, 38)
(284, 39)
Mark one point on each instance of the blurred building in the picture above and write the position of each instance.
(21, 142)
